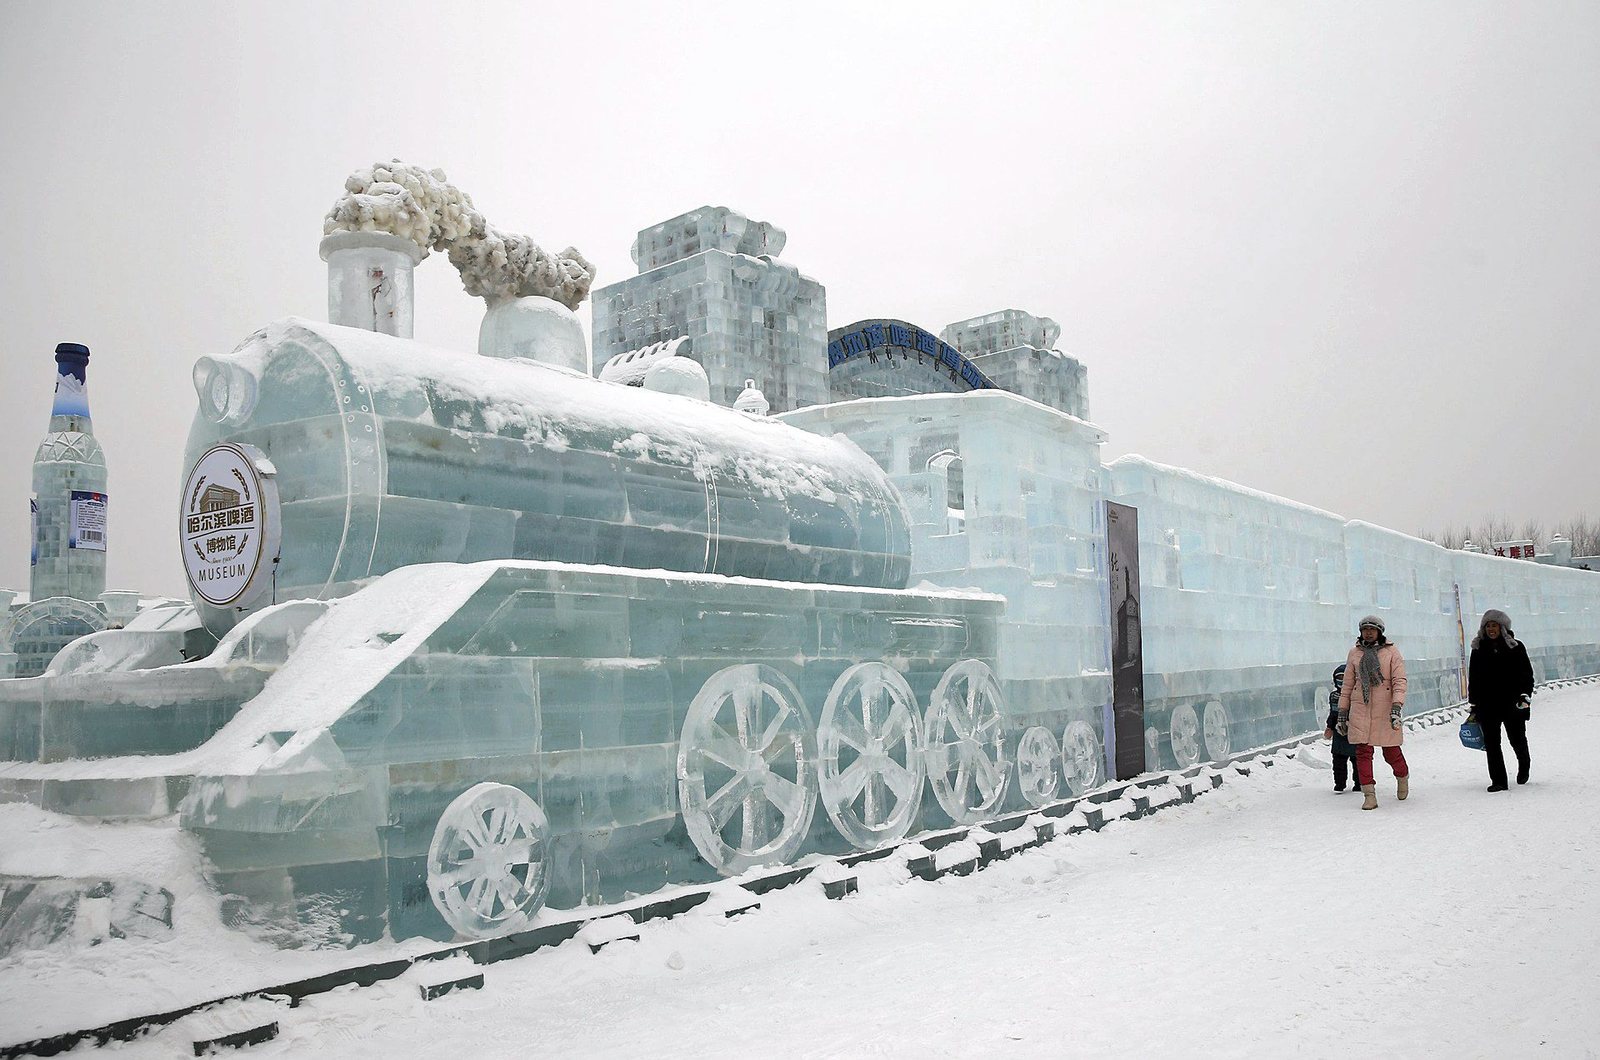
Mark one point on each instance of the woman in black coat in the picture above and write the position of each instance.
(1500, 688)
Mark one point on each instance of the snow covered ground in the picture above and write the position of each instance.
(1271, 916)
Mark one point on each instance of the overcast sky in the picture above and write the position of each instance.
(1344, 252)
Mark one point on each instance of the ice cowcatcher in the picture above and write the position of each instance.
(69, 486)
(389, 218)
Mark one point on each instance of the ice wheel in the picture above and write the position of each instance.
(1081, 759)
(966, 750)
(1036, 766)
(1214, 725)
(869, 761)
(1185, 735)
(747, 781)
(487, 865)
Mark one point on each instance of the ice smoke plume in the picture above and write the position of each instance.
(423, 206)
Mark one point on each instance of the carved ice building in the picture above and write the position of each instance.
(1017, 351)
(712, 277)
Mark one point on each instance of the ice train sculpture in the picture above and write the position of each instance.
(474, 635)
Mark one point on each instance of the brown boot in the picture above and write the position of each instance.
(1402, 787)
(1371, 792)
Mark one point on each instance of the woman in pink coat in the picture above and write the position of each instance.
(1370, 705)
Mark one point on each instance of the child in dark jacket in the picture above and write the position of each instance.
(1344, 753)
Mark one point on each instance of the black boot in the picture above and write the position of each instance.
(1498, 787)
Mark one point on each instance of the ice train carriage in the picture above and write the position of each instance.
(655, 628)
(1248, 600)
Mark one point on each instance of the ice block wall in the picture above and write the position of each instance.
(1249, 600)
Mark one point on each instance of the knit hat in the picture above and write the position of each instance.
(1371, 620)
(1338, 674)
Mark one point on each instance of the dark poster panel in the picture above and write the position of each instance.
(1127, 654)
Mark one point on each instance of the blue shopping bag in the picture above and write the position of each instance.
(1472, 735)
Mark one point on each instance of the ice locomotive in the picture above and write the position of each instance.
(663, 630)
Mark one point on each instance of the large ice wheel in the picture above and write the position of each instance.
(747, 780)
(1214, 726)
(1036, 766)
(1081, 759)
(487, 864)
(869, 760)
(1185, 735)
(966, 750)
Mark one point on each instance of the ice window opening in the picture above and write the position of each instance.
(950, 463)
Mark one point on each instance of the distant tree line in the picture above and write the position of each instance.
(1583, 532)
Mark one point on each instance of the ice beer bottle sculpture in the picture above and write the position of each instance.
(69, 487)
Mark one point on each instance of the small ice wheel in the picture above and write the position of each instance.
(747, 782)
(1036, 766)
(1185, 735)
(1081, 759)
(966, 751)
(869, 760)
(488, 869)
(1214, 727)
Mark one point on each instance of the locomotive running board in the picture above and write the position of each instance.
(993, 841)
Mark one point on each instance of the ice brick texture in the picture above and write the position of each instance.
(390, 453)
(713, 276)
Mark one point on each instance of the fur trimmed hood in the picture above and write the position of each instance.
(1494, 614)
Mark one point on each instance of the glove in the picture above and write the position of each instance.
(1343, 728)
(1327, 734)
(1394, 715)
(1525, 705)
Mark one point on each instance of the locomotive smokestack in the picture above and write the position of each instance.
(370, 281)
(393, 213)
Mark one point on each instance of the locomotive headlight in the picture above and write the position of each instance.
(227, 392)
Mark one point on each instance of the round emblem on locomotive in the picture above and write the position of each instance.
(229, 525)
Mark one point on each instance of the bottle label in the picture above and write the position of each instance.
(87, 514)
(72, 395)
